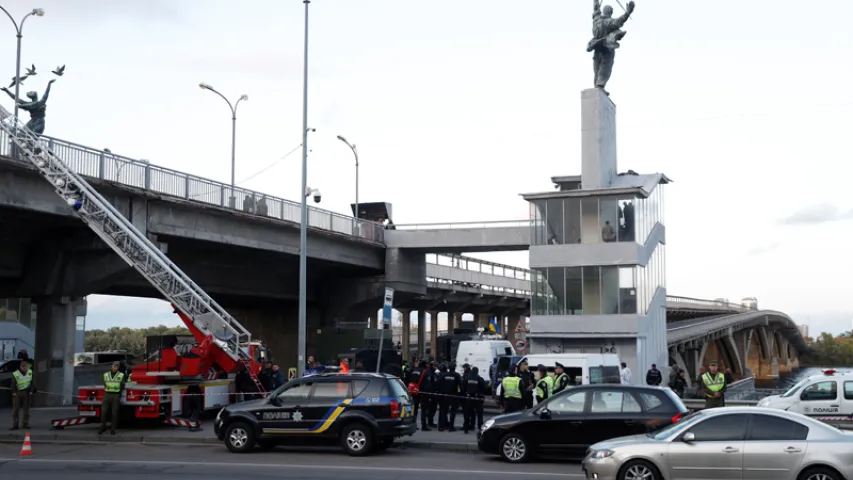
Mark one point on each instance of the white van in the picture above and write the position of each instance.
(582, 368)
(481, 354)
(828, 397)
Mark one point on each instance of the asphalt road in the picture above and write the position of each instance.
(190, 462)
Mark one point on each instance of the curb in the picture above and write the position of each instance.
(458, 447)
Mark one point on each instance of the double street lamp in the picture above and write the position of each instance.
(19, 28)
(232, 200)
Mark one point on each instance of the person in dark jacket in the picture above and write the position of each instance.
(265, 375)
(653, 376)
(449, 384)
(475, 389)
(730, 378)
(678, 384)
(277, 378)
(528, 381)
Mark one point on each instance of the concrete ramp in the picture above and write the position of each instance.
(461, 237)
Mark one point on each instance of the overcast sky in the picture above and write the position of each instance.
(457, 107)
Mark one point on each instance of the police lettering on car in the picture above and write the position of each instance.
(363, 412)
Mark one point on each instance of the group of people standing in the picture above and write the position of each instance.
(710, 385)
(520, 386)
(440, 389)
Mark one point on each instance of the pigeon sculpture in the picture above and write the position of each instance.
(31, 71)
(59, 71)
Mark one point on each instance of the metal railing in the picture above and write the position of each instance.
(475, 265)
(464, 225)
(710, 304)
(107, 166)
(493, 290)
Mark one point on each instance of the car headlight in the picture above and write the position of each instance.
(488, 424)
(599, 454)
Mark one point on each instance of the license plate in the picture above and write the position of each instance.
(87, 413)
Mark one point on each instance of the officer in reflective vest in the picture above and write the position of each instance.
(511, 388)
(713, 385)
(544, 384)
(22, 392)
(561, 380)
(113, 385)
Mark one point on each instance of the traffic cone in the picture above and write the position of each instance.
(27, 449)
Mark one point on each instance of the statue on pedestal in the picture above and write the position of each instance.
(37, 107)
(606, 33)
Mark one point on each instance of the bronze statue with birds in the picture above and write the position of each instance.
(37, 107)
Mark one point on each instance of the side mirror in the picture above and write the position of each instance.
(688, 437)
(545, 414)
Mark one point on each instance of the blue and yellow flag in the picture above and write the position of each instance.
(493, 325)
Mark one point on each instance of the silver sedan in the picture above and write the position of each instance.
(730, 443)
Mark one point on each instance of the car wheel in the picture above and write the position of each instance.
(639, 470)
(239, 438)
(514, 448)
(819, 473)
(357, 439)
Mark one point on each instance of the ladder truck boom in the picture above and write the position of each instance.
(201, 314)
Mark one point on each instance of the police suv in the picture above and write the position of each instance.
(827, 397)
(363, 412)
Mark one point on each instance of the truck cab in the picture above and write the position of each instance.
(827, 397)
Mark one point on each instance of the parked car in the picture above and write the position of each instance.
(729, 443)
(568, 423)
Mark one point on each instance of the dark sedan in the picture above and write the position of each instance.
(568, 423)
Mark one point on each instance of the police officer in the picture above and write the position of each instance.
(22, 393)
(432, 377)
(561, 380)
(511, 388)
(113, 385)
(713, 384)
(414, 384)
(475, 388)
(448, 387)
(526, 377)
(544, 384)
(653, 376)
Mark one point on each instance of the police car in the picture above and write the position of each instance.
(363, 412)
(827, 397)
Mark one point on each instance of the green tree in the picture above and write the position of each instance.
(830, 351)
(129, 339)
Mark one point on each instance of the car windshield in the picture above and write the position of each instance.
(672, 428)
(795, 388)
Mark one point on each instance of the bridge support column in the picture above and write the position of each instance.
(741, 340)
(482, 321)
(433, 335)
(406, 340)
(422, 328)
(56, 325)
(737, 357)
(456, 321)
(769, 363)
(784, 361)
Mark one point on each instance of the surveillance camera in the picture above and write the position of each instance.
(317, 196)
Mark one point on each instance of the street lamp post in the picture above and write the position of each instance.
(303, 224)
(19, 29)
(354, 152)
(232, 200)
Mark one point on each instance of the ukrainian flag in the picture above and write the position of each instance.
(493, 325)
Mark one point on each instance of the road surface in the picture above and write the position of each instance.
(197, 462)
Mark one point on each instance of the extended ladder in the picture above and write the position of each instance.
(131, 245)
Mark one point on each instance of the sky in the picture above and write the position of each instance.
(457, 107)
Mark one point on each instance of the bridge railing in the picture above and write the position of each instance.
(710, 304)
(482, 266)
(493, 290)
(141, 174)
(464, 225)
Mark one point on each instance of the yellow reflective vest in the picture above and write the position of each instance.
(23, 381)
(510, 386)
(112, 383)
(715, 383)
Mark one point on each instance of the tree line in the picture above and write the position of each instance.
(131, 340)
(830, 351)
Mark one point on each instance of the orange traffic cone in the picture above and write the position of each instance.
(27, 449)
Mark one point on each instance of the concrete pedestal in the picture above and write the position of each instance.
(56, 326)
(598, 139)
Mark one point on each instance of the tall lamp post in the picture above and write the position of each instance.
(19, 29)
(354, 152)
(232, 200)
(303, 224)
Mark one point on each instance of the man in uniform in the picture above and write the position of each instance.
(449, 385)
(544, 384)
(22, 393)
(474, 387)
(511, 388)
(561, 380)
(526, 377)
(713, 384)
(653, 376)
(113, 385)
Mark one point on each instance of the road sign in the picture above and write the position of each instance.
(291, 373)
(520, 345)
(387, 307)
(521, 327)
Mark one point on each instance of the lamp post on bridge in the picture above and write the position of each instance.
(355, 153)
(232, 200)
(19, 29)
(303, 224)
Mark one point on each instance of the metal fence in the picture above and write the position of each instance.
(464, 225)
(481, 266)
(710, 304)
(141, 174)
